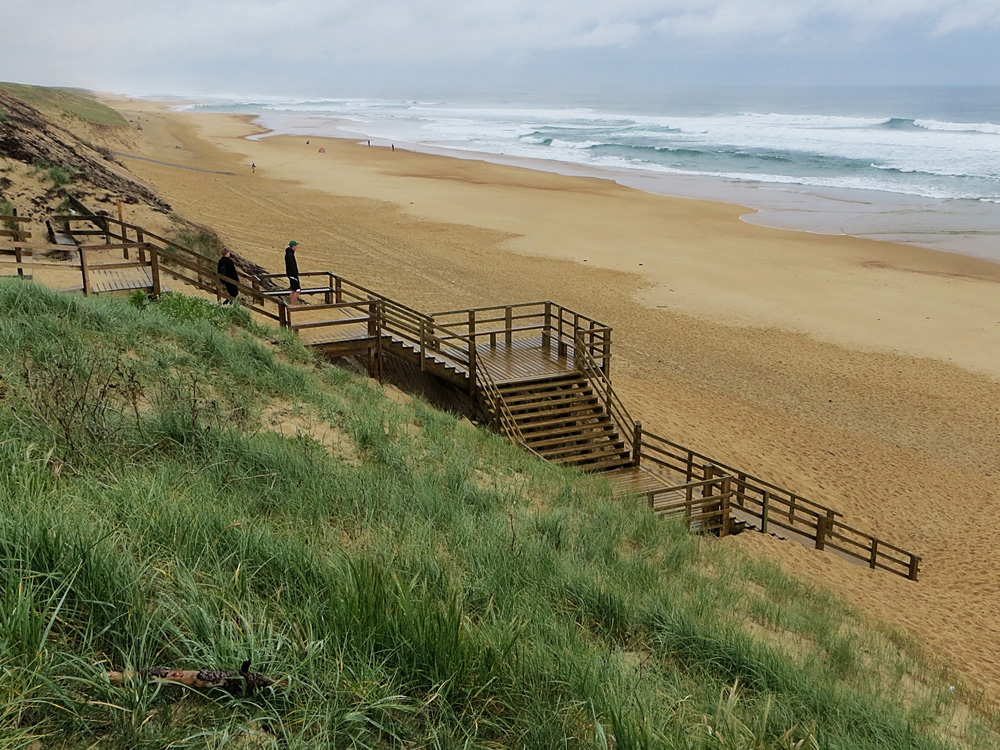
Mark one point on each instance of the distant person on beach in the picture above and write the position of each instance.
(227, 270)
(253, 167)
(292, 272)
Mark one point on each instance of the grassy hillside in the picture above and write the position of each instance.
(182, 489)
(73, 102)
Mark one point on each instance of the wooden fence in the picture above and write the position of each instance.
(558, 327)
(704, 505)
(774, 508)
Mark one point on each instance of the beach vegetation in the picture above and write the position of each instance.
(198, 239)
(76, 103)
(59, 175)
(179, 490)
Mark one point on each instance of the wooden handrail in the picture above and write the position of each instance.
(612, 403)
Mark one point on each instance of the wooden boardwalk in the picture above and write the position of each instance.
(538, 373)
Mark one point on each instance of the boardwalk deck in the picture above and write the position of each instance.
(522, 359)
(639, 480)
(121, 280)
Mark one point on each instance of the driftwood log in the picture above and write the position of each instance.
(229, 680)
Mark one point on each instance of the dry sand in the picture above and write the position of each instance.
(863, 375)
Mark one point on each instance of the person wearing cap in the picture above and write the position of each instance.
(292, 272)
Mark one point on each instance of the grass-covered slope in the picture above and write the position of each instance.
(61, 101)
(178, 491)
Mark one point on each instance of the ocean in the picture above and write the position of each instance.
(917, 165)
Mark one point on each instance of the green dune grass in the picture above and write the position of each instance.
(415, 583)
(75, 102)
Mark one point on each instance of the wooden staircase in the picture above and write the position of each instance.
(430, 360)
(562, 419)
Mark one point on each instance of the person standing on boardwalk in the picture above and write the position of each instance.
(227, 270)
(292, 272)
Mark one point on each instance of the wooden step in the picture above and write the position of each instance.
(549, 396)
(572, 431)
(601, 432)
(549, 410)
(607, 462)
(609, 465)
(540, 379)
(556, 453)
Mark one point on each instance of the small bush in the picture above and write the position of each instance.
(186, 309)
(7, 209)
(200, 241)
(58, 175)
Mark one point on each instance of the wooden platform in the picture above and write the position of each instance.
(639, 480)
(521, 360)
(122, 280)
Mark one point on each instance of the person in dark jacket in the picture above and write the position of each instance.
(292, 272)
(227, 269)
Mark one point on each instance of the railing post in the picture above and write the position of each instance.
(606, 354)
(707, 472)
(764, 511)
(914, 567)
(283, 316)
(85, 271)
(339, 289)
(423, 343)
(472, 351)
(328, 294)
(509, 324)
(547, 326)
(154, 262)
(140, 237)
(637, 443)
(874, 557)
(821, 522)
(121, 224)
(255, 285)
(726, 486)
(434, 342)
(374, 348)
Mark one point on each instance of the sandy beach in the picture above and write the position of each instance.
(861, 374)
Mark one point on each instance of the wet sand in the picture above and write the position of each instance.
(863, 375)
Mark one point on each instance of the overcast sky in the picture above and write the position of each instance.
(415, 48)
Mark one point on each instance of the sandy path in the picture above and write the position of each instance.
(863, 375)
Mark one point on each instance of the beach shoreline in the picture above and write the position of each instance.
(859, 374)
(964, 226)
